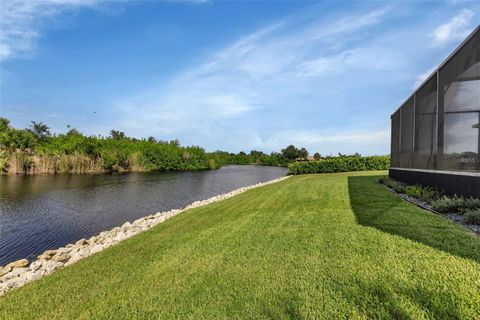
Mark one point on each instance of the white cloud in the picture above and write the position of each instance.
(348, 24)
(371, 57)
(22, 21)
(454, 30)
(422, 77)
(349, 141)
(259, 72)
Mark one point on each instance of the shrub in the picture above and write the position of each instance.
(469, 207)
(212, 164)
(12, 140)
(455, 204)
(414, 191)
(426, 194)
(472, 217)
(340, 164)
(384, 180)
(393, 184)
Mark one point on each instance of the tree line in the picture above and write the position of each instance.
(35, 150)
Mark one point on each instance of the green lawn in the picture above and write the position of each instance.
(328, 246)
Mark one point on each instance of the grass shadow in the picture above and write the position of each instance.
(376, 207)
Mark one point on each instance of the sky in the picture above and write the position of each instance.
(224, 75)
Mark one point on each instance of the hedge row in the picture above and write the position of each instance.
(340, 164)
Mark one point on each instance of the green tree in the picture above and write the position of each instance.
(175, 143)
(40, 130)
(317, 156)
(257, 154)
(117, 135)
(290, 153)
(4, 124)
(17, 139)
(303, 153)
(74, 132)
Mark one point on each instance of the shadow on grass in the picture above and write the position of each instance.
(376, 207)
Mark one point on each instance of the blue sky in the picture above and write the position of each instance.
(224, 75)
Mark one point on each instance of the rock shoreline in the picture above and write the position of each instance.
(21, 272)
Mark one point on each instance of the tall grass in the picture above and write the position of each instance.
(22, 163)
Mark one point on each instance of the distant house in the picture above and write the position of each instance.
(435, 133)
(309, 158)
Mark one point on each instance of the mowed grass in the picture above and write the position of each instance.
(327, 246)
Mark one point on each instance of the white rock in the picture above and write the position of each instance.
(34, 276)
(15, 273)
(96, 249)
(3, 288)
(18, 263)
(5, 270)
(81, 242)
(61, 257)
(47, 254)
(126, 226)
(51, 266)
(92, 240)
(35, 265)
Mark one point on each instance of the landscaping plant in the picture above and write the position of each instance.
(340, 164)
(426, 194)
(456, 204)
(472, 216)
(469, 207)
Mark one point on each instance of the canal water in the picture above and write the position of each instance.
(46, 212)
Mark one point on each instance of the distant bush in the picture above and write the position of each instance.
(340, 164)
(254, 157)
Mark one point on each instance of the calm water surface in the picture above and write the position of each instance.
(46, 212)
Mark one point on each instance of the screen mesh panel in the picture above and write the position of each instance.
(461, 97)
(406, 134)
(395, 140)
(425, 125)
(439, 126)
